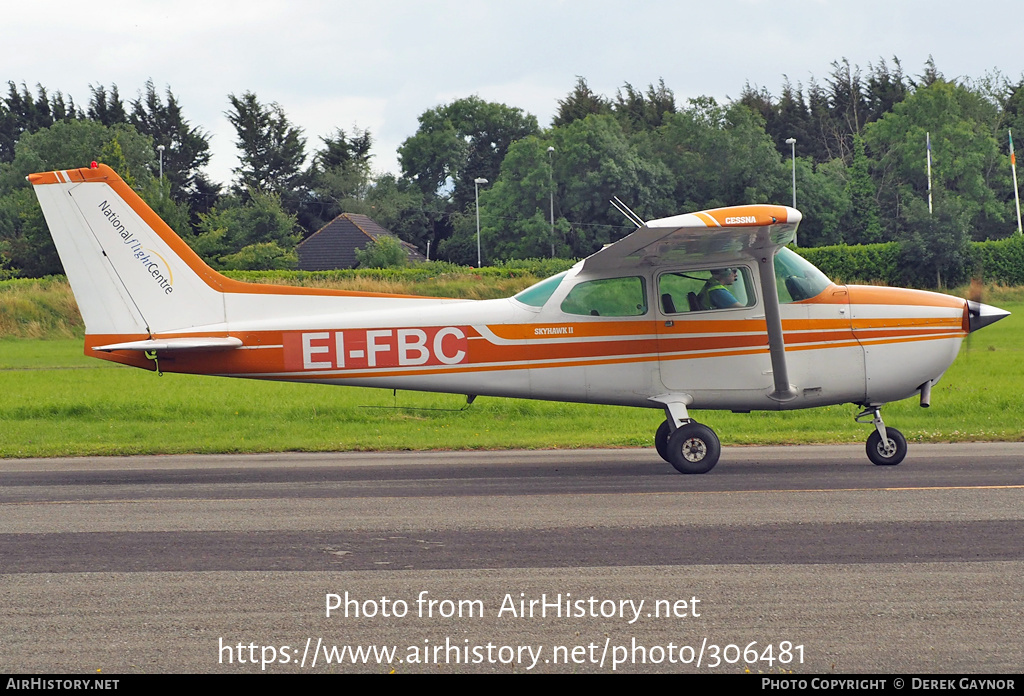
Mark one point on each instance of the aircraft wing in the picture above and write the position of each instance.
(704, 236)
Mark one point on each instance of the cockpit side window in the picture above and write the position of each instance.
(705, 290)
(607, 297)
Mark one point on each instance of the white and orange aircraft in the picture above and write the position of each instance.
(706, 310)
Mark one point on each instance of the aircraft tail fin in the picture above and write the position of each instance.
(131, 274)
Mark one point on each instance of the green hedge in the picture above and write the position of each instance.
(540, 268)
(1000, 262)
(863, 263)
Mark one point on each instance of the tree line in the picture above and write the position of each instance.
(859, 143)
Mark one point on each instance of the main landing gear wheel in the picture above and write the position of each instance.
(693, 448)
(889, 454)
(661, 440)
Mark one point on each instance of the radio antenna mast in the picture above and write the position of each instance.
(626, 212)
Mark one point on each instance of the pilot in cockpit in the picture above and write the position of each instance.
(715, 294)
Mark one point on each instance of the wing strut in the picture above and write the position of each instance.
(784, 391)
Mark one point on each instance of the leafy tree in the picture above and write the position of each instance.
(113, 156)
(792, 120)
(579, 104)
(931, 74)
(64, 145)
(273, 151)
(849, 107)
(73, 144)
(515, 210)
(239, 222)
(885, 88)
(26, 248)
(106, 107)
(383, 252)
(784, 119)
(862, 225)
(638, 111)
(21, 113)
(460, 247)
(338, 176)
(1013, 108)
(934, 246)
(822, 199)
(263, 256)
(399, 206)
(594, 161)
(966, 161)
(459, 142)
(720, 156)
(342, 151)
(186, 148)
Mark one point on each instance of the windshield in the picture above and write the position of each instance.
(536, 295)
(797, 279)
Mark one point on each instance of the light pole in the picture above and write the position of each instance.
(476, 188)
(792, 144)
(551, 188)
(160, 149)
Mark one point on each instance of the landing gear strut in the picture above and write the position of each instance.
(885, 446)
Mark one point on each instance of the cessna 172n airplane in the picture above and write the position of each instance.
(706, 310)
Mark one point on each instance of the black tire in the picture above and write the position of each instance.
(661, 440)
(693, 449)
(877, 453)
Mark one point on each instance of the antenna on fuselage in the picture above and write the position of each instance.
(624, 209)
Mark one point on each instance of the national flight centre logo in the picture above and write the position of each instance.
(155, 265)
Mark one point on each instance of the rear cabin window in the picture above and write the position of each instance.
(705, 290)
(607, 297)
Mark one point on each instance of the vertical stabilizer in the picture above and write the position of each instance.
(131, 274)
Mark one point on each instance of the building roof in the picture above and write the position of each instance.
(334, 245)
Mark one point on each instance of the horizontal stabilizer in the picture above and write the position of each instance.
(198, 343)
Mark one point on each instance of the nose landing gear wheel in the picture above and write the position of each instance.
(693, 449)
(889, 454)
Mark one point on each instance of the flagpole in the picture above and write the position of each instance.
(928, 144)
(1013, 168)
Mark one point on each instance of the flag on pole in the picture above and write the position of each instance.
(928, 145)
(1013, 168)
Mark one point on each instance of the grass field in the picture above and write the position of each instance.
(55, 401)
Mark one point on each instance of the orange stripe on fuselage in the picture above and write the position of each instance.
(263, 351)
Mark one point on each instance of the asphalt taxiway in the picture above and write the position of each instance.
(157, 563)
